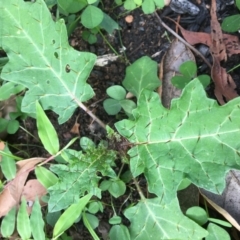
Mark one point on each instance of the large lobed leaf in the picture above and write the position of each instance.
(41, 59)
(81, 175)
(195, 139)
(150, 219)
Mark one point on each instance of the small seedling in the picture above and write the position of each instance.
(118, 101)
(188, 70)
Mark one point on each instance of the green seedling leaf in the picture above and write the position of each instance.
(93, 220)
(116, 92)
(46, 131)
(148, 6)
(151, 218)
(231, 23)
(108, 24)
(118, 232)
(112, 106)
(117, 188)
(41, 59)
(91, 17)
(142, 74)
(70, 215)
(23, 222)
(159, 3)
(105, 185)
(216, 233)
(198, 215)
(3, 124)
(93, 207)
(89, 227)
(8, 164)
(115, 220)
(53, 217)
(127, 176)
(129, 5)
(138, 2)
(204, 80)
(13, 126)
(81, 175)
(8, 223)
(36, 222)
(51, 3)
(8, 89)
(128, 106)
(193, 139)
(188, 69)
(72, 6)
(118, 2)
(220, 222)
(45, 177)
(89, 37)
(180, 82)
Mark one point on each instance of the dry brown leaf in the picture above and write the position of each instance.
(177, 54)
(33, 190)
(11, 195)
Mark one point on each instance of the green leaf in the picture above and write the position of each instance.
(72, 6)
(238, 4)
(184, 184)
(8, 89)
(86, 143)
(46, 131)
(151, 218)
(8, 164)
(142, 74)
(204, 80)
(188, 69)
(8, 223)
(45, 177)
(108, 24)
(160, 3)
(194, 139)
(115, 220)
(119, 232)
(231, 23)
(23, 222)
(70, 215)
(93, 220)
(216, 233)
(89, 37)
(197, 214)
(3, 124)
(91, 17)
(129, 5)
(36, 221)
(94, 207)
(117, 188)
(80, 176)
(180, 82)
(220, 222)
(41, 59)
(116, 92)
(112, 106)
(128, 106)
(148, 6)
(13, 126)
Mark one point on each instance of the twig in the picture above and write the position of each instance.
(182, 40)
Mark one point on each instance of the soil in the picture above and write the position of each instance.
(143, 37)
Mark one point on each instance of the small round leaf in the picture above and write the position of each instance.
(116, 92)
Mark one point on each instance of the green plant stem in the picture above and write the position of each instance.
(25, 130)
(122, 46)
(233, 68)
(108, 43)
(139, 189)
(182, 40)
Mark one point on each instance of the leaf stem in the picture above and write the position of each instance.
(108, 43)
(139, 189)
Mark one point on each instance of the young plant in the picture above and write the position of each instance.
(189, 70)
(118, 101)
